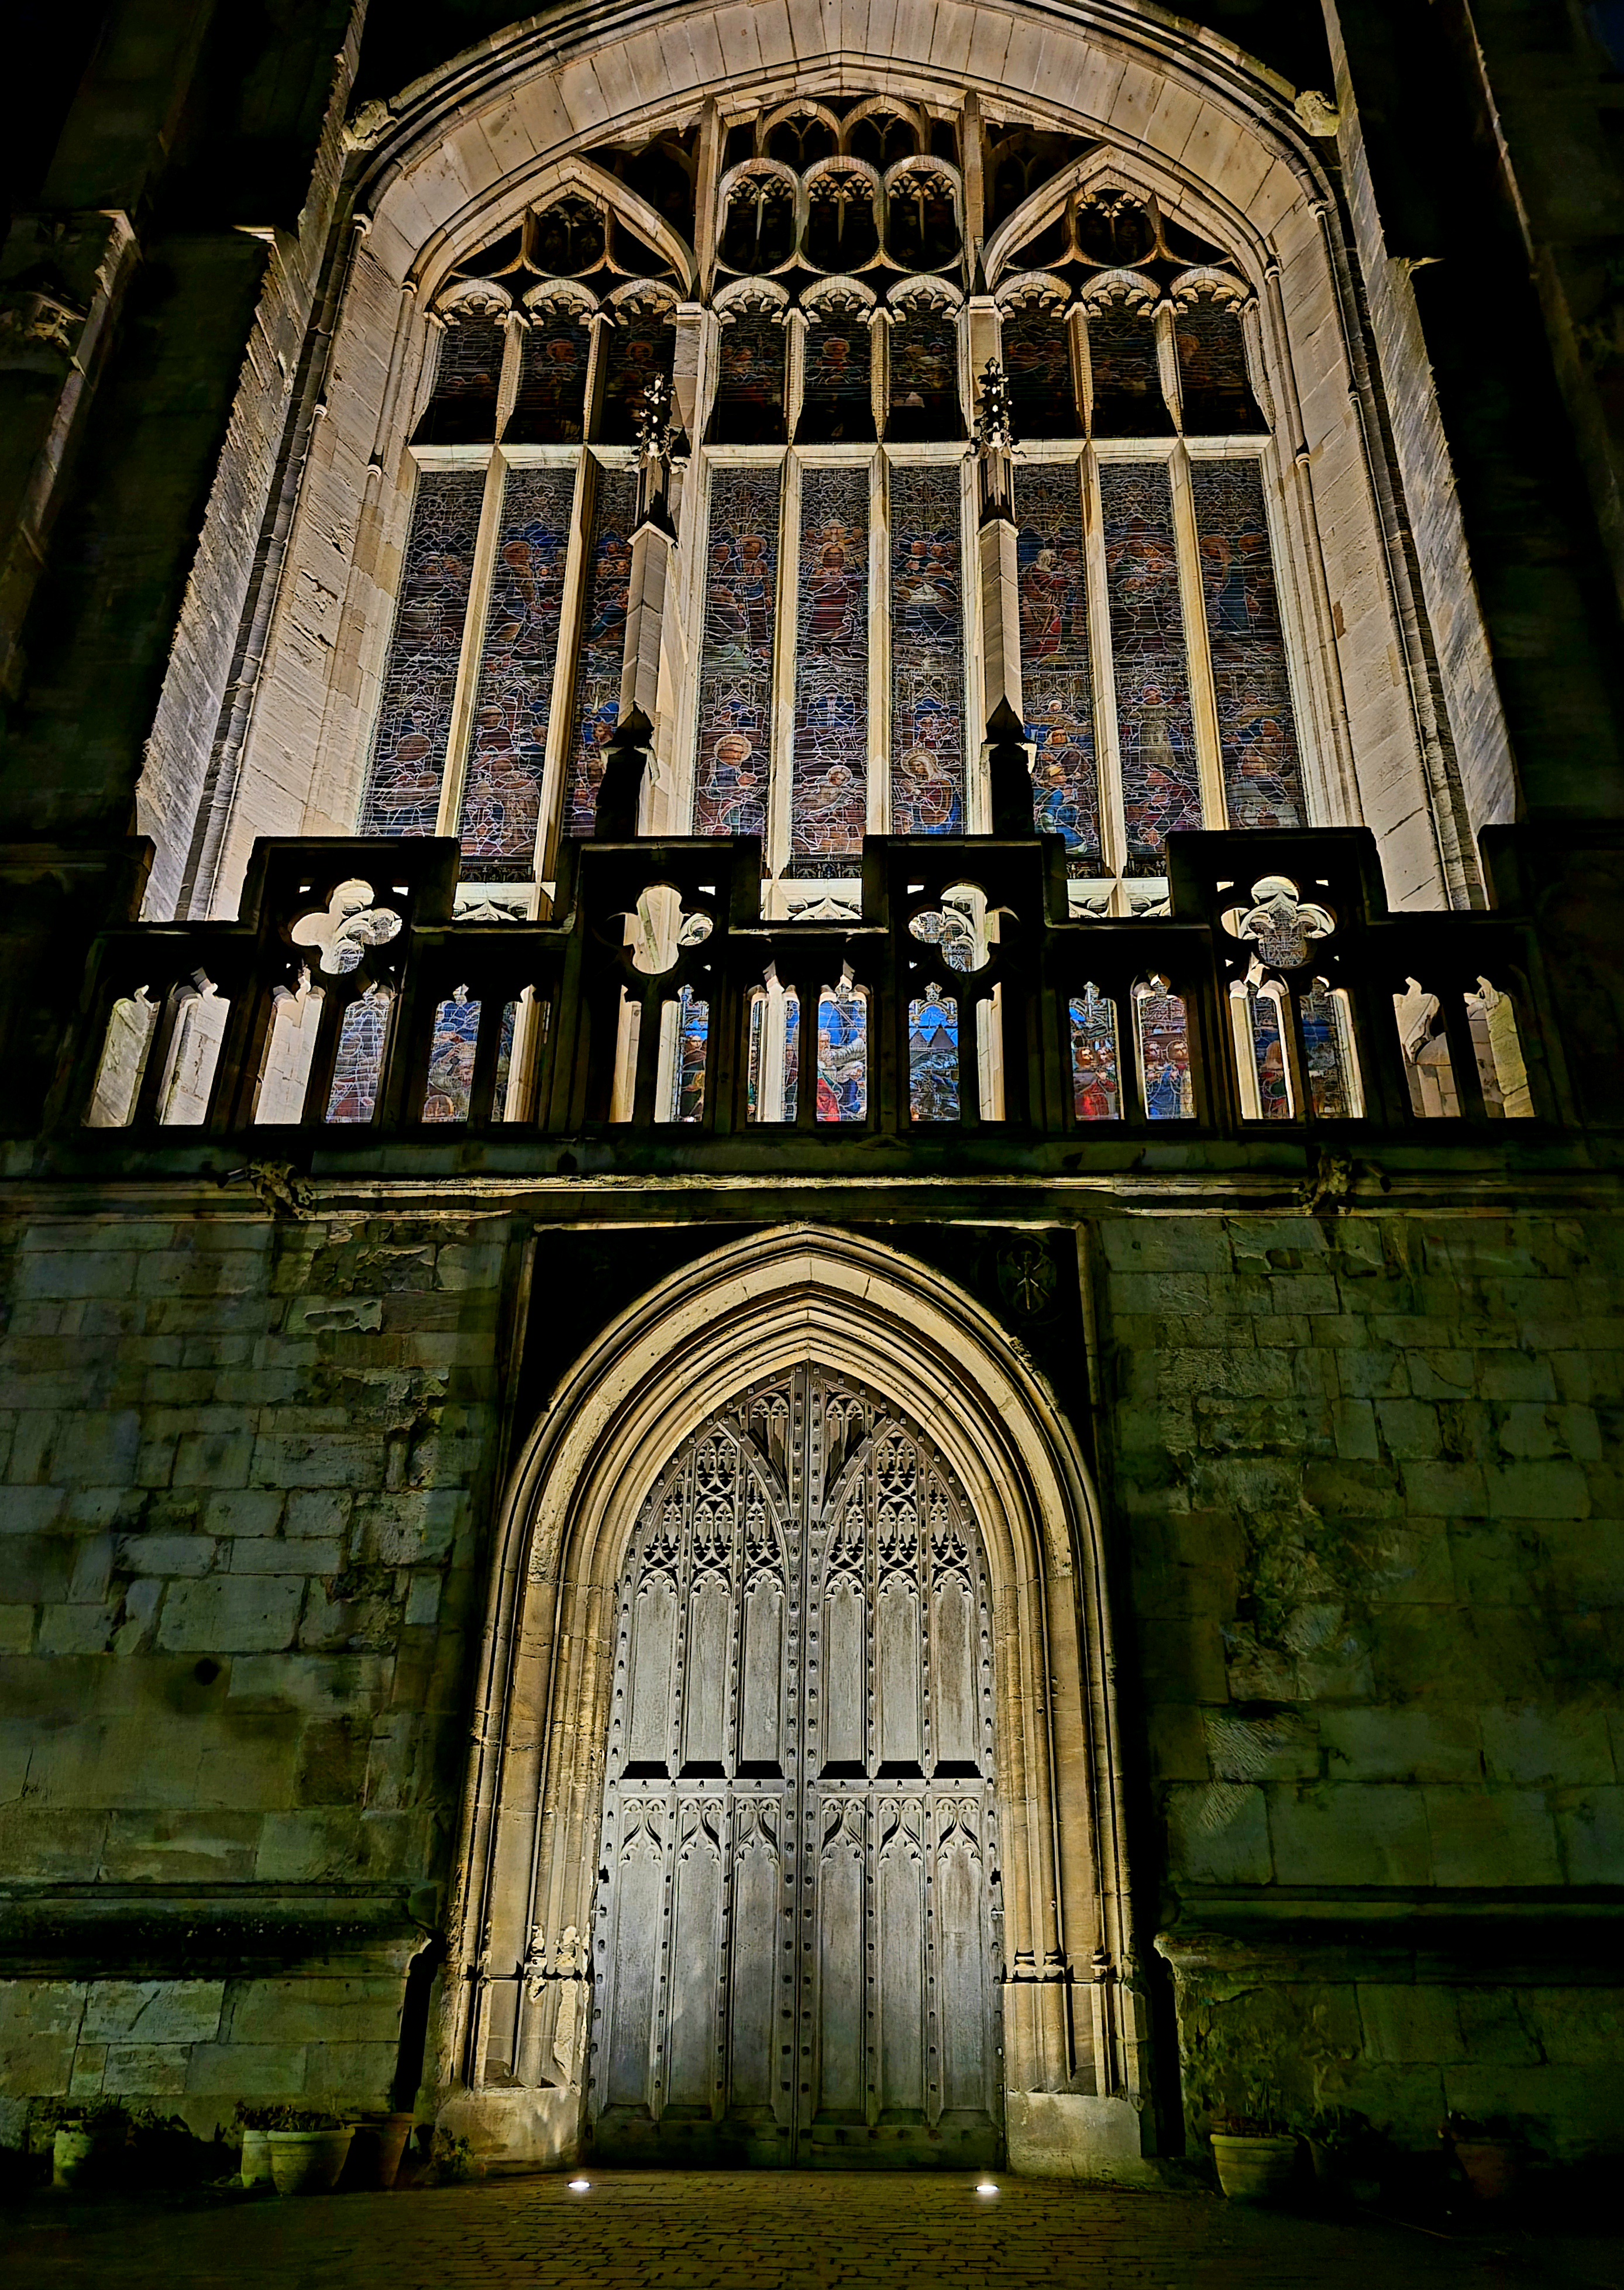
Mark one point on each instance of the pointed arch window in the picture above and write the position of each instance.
(829, 677)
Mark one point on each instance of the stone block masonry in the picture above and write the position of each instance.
(1367, 1469)
(1358, 1474)
(244, 1469)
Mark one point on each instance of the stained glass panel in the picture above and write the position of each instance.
(501, 799)
(927, 674)
(1257, 731)
(836, 407)
(420, 683)
(601, 656)
(1268, 1058)
(736, 659)
(843, 1054)
(1161, 789)
(638, 346)
(551, 403)
(1096, 1089)
(749, 382)
(1126, 387)
(829, 772)
(467, 384)
(1164, 1053)
(1057, 680)
(450, 1061)
(1212, 381)
(933, 1057)
(1329, 1055)
(923, 380)
(359, 1066)
(1037, 361)
(691, 1019)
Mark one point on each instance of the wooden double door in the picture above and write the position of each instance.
(796, 1932)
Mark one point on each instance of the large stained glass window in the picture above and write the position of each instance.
(736, 659)
(829, 786)
(1161, 782)
(501, 797)
(1257, 736)
(409, 755)
(818, 662)
(927, 651)
(603, 644)
(1057, 678)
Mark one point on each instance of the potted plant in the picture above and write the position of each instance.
(255, 2120)
(86, 2134)
(307, 2149)
(1488, 2152)
(1255, 2154)
(1345, 2150)
(380, 2142)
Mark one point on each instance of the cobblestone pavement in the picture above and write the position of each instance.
(765, 2231)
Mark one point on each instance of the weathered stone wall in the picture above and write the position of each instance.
(1357, 1473)
(243, 1466)
(1367, 1472)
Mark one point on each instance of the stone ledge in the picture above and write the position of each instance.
(76, 1932)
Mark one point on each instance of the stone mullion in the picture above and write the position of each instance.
(1197, 645)
(470, 659)
(786, 634)
(975, 681)
(1107, 739)
(555, 755)
(879, 654)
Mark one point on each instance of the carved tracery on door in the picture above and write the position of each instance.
(797, 1929)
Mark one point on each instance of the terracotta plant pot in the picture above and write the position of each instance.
(1493, 2166)
(76, 2157)
(1254, 2170)
(380, 2143)
(308, 2162)
(255, 2167)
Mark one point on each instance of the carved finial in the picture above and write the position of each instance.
(995, 443)
(661, 445)
(1009, 773)
(625, 768)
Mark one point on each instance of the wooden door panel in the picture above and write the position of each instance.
(797, 1942)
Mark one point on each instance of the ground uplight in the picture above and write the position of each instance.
(987, 2187)
(581, 2186)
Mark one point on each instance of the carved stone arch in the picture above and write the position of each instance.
(563, 298)
(1033, 289)
(770, 1305)
(487, 219)
(762, 296)
(1125, 290)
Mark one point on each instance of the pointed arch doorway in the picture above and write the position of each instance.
(797, 1929)
(798, 1360)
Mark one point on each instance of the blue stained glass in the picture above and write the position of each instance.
(1328, 1055)
(1268, 1055)
(933, 1058)
(1057, 678)
(1257, 731)
(602, 657)
(1161, 784)
(927, 667)
(688, 1075)
(828, 798)
(1164, 1053)
(843, 1054)
(736, 657)
(1096, 1088)
(758, 1106)
(359, 1064)
(451, 1061)
(501, 799)
(402, 794)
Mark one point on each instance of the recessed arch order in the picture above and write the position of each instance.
(833, 1300)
